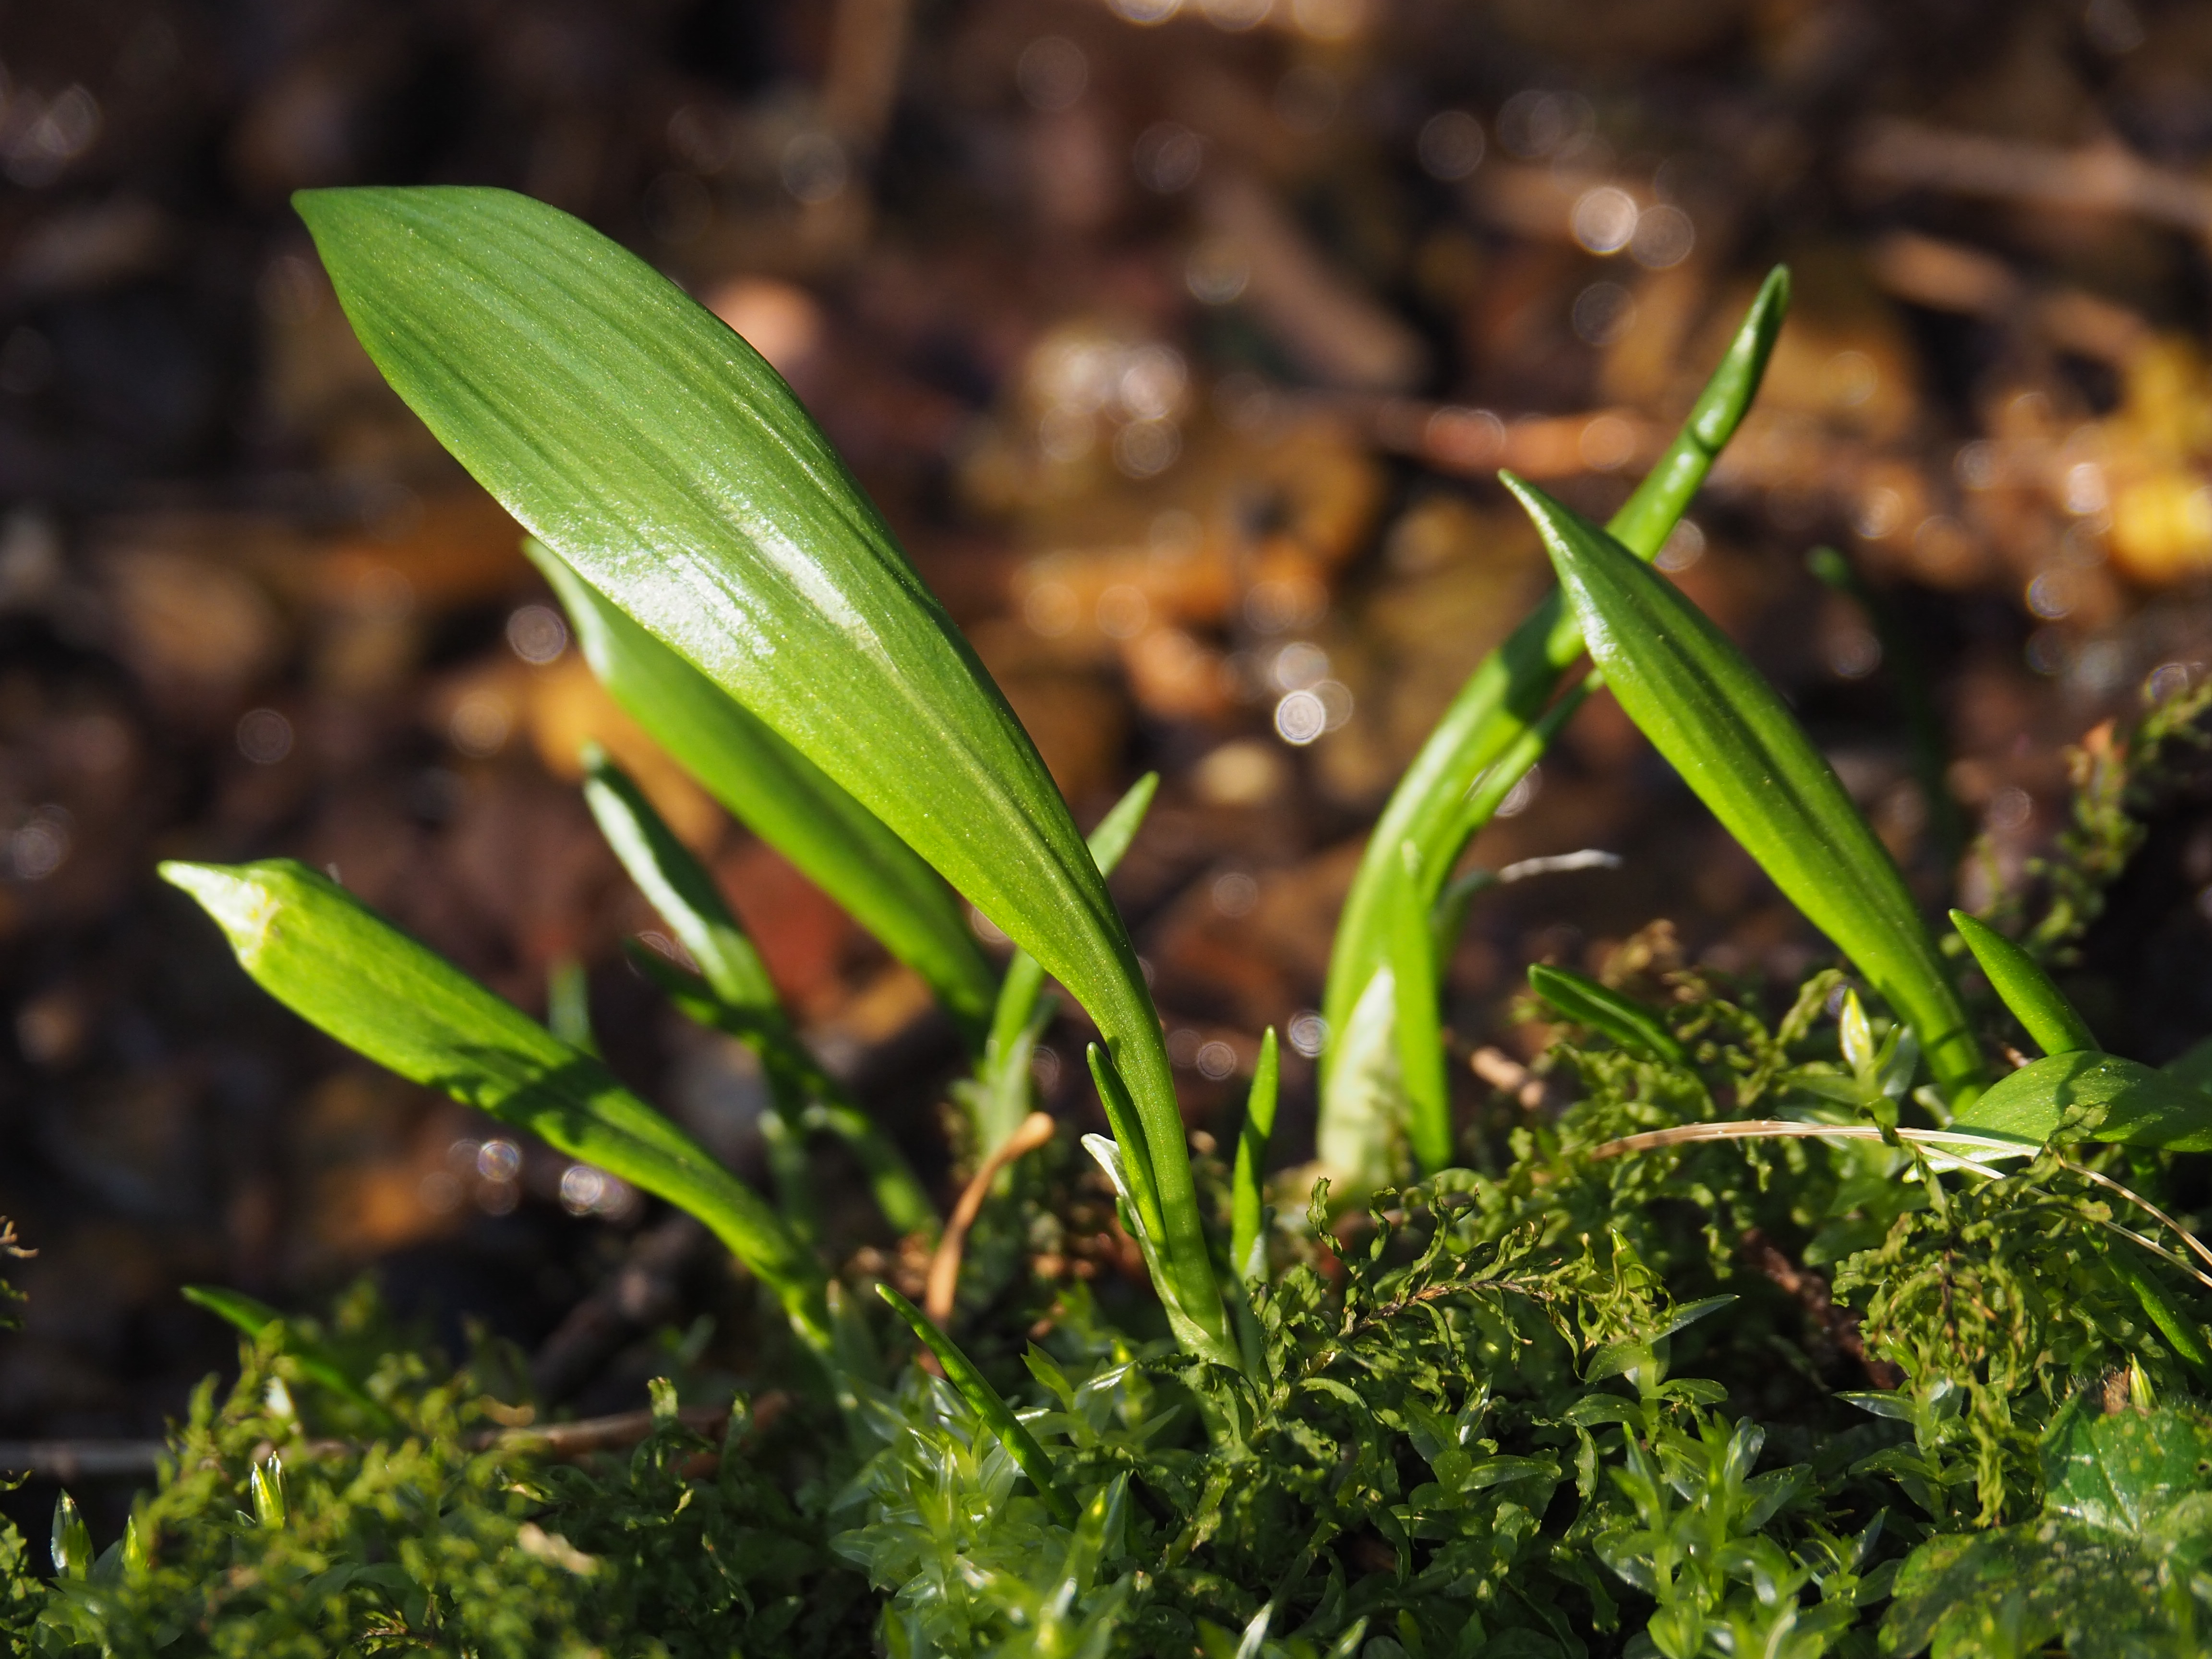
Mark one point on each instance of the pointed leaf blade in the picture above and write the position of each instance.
(1588, 1002)
(676, 885)
(1727, 733)
(782, 796)
(989, 1404)
(1496, 728)
(317, 949)
(661, 458)
(1003, 1095)
(2040, 1007)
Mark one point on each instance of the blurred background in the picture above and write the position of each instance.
(1179, 342)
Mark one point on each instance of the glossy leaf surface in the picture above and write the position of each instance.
(317, 949)
(1496, 728)
(782, 796)
(663, 460)
(2041, 1007)
(1727, 733)
(2111, 1099)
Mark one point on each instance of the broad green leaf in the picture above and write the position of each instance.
(1587, 1002)
(2110, 1099)
(986, 1403)
(1449, 907)
(1732, 739)
(2040, 1007)
(343, 970)
(2114, 1565)
(315, 1362)
(782, 796)
(1362, 1131)
(1001, 1094)
(1497, 728)
(658, 455)
(1248, 1253)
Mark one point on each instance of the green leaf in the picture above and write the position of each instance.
(569, 1005)
(1418, 1019)
(815, 1102)
(2182, 1332)
(897, 1190)
(315, 1362)
(658, 455)
(1248, 1253)
(71, 1543)
(2113, 1566)
(2040, 1007)
(2110, 1099)
(782, 797)
(1002, 1094)
(986, 1403)
(346, 971)
(1497, 728)
(1121, 1118)
(1728, 734)
(1587, 1002)
(679, 886)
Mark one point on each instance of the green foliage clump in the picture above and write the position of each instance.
(1751, 1339)
(446, 1537)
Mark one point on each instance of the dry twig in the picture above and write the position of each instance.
(1033, 1130)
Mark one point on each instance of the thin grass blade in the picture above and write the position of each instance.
(253, 1317)
(1728, 734)
(1121, 1117)
(317, 949)
(678, 886)
(1588, 1002)
(819, 1103)
(568, 1006)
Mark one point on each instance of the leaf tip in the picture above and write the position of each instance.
(242, 906)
